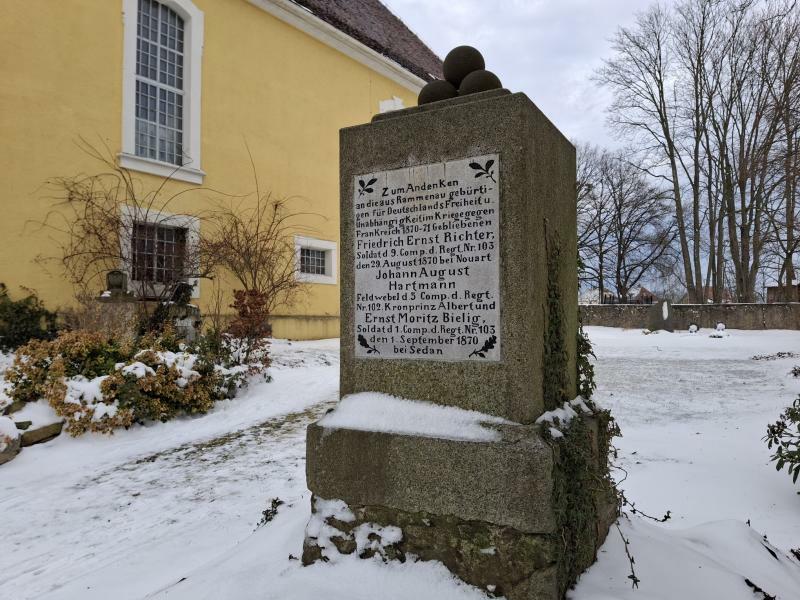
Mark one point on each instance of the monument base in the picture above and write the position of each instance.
(520, 516)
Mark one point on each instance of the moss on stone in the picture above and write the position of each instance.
(480, 553)
(584, 497)
(554, 363)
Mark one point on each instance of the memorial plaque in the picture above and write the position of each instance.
(427, 261)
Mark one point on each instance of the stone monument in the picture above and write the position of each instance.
(659, 316)
(459, 322)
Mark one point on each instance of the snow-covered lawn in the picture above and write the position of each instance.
(693, 410)
(170, 511)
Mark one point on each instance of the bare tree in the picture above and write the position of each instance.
(708, 91)
(642, 227)
(594, 230)
(625, 226)
(745, 130)
(252, 238)
(783, 41)
(695, 31)
(110, 220)
(641, 75)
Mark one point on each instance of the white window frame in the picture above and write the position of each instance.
(329, 278)
(131, 215)
(191, 170)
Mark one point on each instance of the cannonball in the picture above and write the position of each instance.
(479, 81)
(460, 62)
(439, 89)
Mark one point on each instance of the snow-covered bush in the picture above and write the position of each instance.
(248, 334)
(98, 385)
(72, 354)
(784, 435)
(6, 360)
(157, 386)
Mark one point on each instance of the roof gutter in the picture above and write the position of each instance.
(305, 21)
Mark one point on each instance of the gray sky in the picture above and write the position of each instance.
(545, 48)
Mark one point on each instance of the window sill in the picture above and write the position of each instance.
(154, 167)
(311, 278)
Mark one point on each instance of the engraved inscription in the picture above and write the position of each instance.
(427, 262)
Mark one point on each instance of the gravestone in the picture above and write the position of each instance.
(459, 322)
(116, 291)
(659, 316)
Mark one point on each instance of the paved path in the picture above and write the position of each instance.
(120, 521)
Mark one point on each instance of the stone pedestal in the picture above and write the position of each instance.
(459, 288)
(487, 510)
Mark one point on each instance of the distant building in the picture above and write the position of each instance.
(708, 293)
(592, 296)
(783, 293)
(641, 295)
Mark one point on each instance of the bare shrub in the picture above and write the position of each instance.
(254, 241)
(119, 321)
(250, 330)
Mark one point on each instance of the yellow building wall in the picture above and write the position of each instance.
(265, 85)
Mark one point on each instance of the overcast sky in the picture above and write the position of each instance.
(545, 48)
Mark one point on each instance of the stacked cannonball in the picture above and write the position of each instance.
(464, 73)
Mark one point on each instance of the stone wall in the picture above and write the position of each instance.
(735, 316)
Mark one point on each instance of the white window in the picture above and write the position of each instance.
(161, 88)
(316, 260)
(159, 83)
(159, 250)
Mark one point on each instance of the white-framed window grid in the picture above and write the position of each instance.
(163, 46)
(159, 83)
(158, 253)
(159, 249)
(315, 260)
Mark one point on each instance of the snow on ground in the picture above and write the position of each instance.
(708, 562)
(693, 410)
(39, 413)
(117, 517)
(169, 511)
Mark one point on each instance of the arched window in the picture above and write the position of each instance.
(159, 83)
(161, 88)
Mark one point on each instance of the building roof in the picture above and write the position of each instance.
(374, 25)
